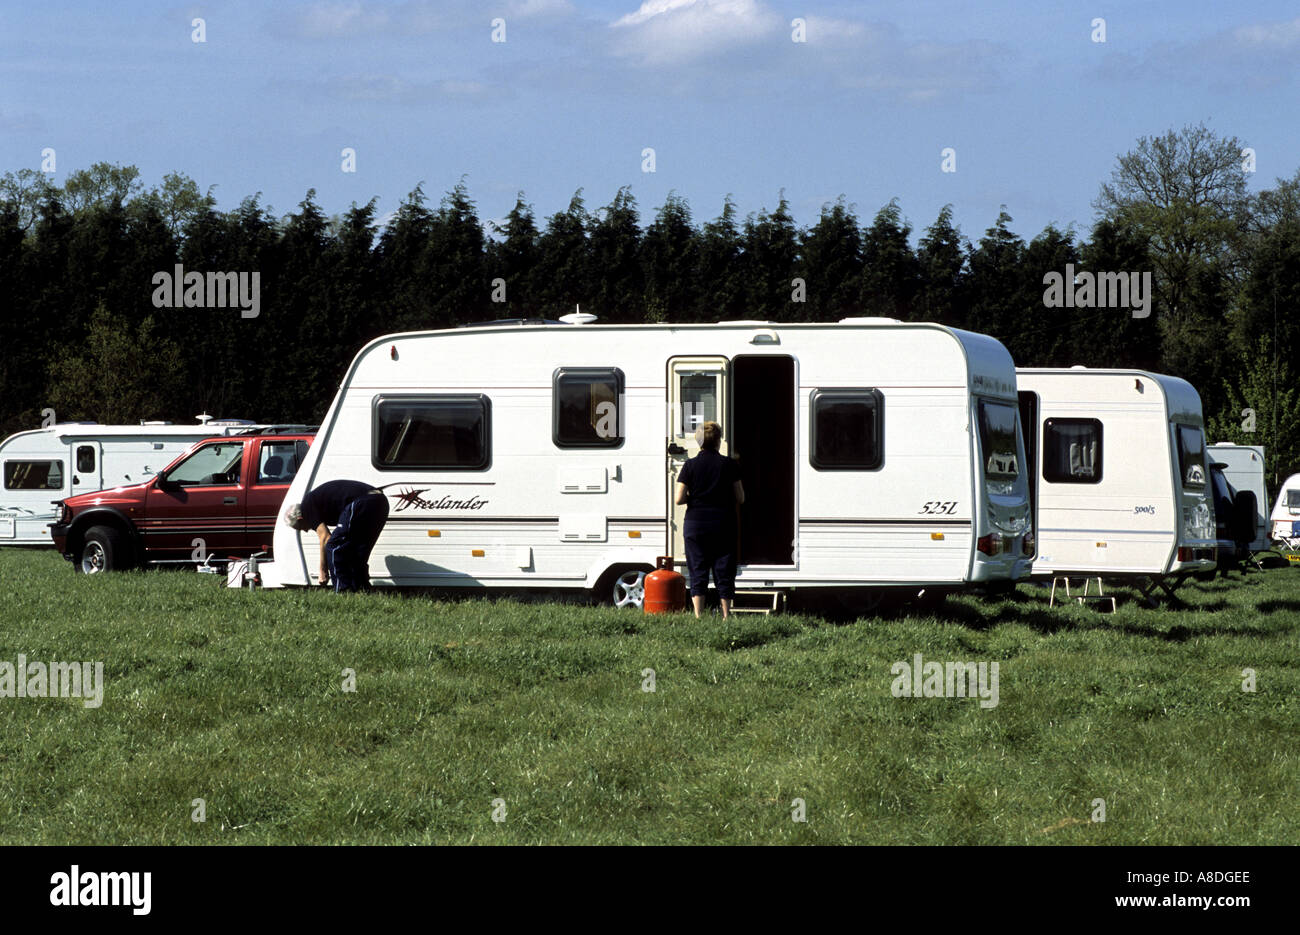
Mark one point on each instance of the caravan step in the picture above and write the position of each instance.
(774, 602)
(1085, 599)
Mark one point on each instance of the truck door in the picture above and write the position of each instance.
(275, 463)
(697, 393)
(196, 507)
(87, 469)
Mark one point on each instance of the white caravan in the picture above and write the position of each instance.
(1284, 522)
(45, 465)
(873, 454)
(1120, 482)
(1243, 467)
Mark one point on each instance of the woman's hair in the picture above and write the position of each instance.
(709, 435)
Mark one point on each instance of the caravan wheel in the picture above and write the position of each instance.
(623, 586)
(629, 589)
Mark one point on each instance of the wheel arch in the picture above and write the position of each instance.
(103, 516)
(614, 558)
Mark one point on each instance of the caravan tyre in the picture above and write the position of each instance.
(623, 586)
(103, 549)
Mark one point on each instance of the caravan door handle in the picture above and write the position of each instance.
(230, 500)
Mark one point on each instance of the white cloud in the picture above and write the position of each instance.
(1274, 35)
(322, 20)
(1254, 56)
(327, 19)
(669, 32)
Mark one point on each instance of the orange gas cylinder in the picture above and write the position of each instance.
(665, 589)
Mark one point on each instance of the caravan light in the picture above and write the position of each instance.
(392, 352)
(992, 544)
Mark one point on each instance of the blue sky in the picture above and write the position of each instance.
(1034, 108)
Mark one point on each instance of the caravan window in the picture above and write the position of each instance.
(585, 408)
(998, 440)
(1191, 456)
(699, 399)
(436, 433)
(847, 430)
(33, 475)
(85, 459)
(1072, 451)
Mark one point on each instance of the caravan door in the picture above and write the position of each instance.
(697, 393)
(86, 466)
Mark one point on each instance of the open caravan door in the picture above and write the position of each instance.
(697, 393)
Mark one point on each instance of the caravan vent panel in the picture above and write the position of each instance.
(583, 527)
(583, 480)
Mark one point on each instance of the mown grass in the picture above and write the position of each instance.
(236, 698)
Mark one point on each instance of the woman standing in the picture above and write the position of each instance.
(709, 485)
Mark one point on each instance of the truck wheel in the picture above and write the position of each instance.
(103, 549)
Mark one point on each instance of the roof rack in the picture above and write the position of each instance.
(286, 429)
(510, 321)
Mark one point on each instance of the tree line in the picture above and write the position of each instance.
(84, 338)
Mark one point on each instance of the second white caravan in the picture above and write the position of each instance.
(1243, 468)
(1120, 479)
(1284, 521)
(46, 465)
(873, 453)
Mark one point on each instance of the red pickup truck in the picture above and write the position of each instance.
(219, 499)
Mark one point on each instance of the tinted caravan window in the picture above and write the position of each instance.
(436, 433)
(33, 475)
(998, 440)
(847, 430)
(1191, 456)
(1072, 452)
(584, 408)
(85, 459)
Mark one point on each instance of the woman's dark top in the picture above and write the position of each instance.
(710, 480)
(326, 503)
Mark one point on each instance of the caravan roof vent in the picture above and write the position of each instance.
(154, 422)
(1078, 367)
(578, 318)
(870, 320)
(746, 321)
(224, 422)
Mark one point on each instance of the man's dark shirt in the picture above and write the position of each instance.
(326, 503)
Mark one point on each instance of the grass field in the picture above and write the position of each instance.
(237, 698)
